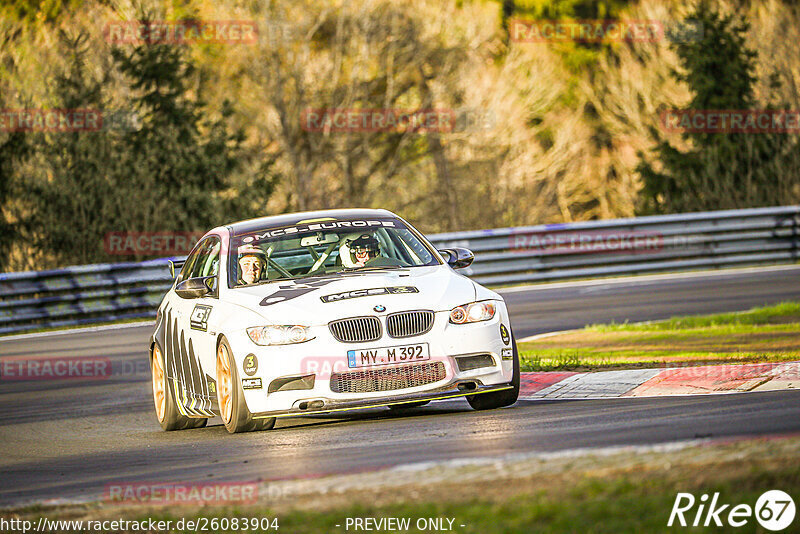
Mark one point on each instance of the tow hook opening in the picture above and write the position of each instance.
(311, 405)
(467, 386)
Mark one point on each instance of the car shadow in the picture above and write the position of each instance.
(369, 414)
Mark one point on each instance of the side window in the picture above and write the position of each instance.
(188, 265)
(203, 261)
(211, 264)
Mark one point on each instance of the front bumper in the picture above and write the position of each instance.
(324, 356)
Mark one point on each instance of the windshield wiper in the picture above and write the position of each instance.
(345, 270)
(373, 268)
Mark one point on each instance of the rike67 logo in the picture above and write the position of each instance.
(774, 510)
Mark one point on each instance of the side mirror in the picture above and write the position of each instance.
(195, 287)
(458, 257)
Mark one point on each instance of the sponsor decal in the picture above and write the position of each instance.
(316, 227)
(251, 383)
(199, 317)
(774, 510)
(504, 334)
(507, 354)
(394, 290)
(250, 364)
(293, 290)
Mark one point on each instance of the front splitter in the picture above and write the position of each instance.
(341, 406)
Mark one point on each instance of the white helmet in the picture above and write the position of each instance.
(252, 250)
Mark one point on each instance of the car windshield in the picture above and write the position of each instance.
(323, 247)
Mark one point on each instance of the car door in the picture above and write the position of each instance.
(188, 362)
(204, 317)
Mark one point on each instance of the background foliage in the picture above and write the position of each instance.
(545, 132)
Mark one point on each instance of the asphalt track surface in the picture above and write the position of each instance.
(66, 440)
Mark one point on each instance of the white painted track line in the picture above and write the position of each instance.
(81, 330)
(644, 278)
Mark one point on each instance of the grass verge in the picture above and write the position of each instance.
(764, 334)
(629, 490)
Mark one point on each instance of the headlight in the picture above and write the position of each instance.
(473, 312)
(279, 335)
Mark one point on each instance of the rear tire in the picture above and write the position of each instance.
(499, 399)
(167, 413)
(230, 396)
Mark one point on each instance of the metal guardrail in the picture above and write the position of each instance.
(94, 293)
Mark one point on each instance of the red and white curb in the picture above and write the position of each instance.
(656, 382)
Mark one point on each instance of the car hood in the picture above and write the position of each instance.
(319, 300)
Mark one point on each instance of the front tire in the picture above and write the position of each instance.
(230, 396)
(499, 399)
(167, 413)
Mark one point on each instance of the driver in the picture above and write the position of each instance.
(252, 264)
(363, 249)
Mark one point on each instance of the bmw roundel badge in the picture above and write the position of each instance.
(379, 308)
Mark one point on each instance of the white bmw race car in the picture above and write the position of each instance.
(321, 312)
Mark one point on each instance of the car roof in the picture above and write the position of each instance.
(288, 219)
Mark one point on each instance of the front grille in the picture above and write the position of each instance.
(407, 324)
(468, 363)
(356, 329)
(387, 379)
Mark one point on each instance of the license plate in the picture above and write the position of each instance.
(388, 355)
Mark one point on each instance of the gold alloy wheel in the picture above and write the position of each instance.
(159, 393)
(224, 383)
